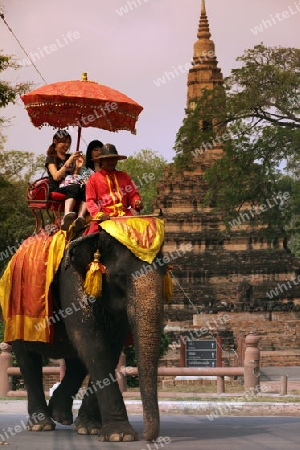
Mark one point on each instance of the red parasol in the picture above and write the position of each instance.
(81, 103)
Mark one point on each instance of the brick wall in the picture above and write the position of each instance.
(279, 332)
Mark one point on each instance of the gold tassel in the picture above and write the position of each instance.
(168, 285)
(93, 280)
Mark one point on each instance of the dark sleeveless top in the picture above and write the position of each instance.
(53, 184)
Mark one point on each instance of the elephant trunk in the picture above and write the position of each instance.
(145, 312)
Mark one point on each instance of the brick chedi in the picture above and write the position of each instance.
(217, 269)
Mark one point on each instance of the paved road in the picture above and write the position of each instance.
(180, 432)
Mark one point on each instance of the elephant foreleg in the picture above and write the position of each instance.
(103, 382)
(89, 417)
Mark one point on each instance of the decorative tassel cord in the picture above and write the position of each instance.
(28, 56)
(184, 293)
(209, 334)
(2, 17)
(93, 280)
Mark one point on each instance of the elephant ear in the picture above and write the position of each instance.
(80, 253)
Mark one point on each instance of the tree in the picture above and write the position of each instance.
(146, 169)
(267, 88)
(255, 115)
(8, 94)
(16, 165)
(8, 91)
(17, 222)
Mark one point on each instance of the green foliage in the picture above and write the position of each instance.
(17, 222)
(294, 223)
(248, 175)
(131, 359)
(146, 168)
(9, 92)
(266, 87)
(17, 165)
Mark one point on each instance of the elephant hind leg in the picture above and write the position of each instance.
(31, 368)
(60, 404)
(40, 422)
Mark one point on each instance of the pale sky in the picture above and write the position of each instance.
(129, 51)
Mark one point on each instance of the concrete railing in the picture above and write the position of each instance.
(250, 370)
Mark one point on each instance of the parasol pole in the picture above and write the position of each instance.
(78, 137)
(83, 78)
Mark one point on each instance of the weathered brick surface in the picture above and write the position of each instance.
(279, 335)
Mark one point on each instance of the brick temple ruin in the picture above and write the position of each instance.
(239, 271)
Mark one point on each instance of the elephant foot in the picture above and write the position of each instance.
(117, 432)
(40, 422)
(60, 413)
(87, 425)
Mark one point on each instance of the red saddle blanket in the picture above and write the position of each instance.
(25, 294)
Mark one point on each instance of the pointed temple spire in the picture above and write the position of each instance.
(205, 72)
(203, 29)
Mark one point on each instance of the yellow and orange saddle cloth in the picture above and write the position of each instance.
(25, 294)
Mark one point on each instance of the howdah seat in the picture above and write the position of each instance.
(44, 204)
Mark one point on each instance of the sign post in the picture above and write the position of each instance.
(202, 353)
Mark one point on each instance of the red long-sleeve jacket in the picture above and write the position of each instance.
(111, 192)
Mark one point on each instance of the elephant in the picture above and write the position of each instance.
(89, 334)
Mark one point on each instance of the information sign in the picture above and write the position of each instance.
(201, 353)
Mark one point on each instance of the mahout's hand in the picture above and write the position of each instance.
(138, 205)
